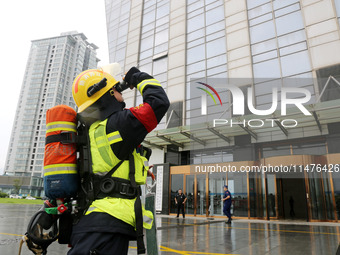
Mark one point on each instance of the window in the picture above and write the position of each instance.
(161, 37)
(160, 66)
(267, 69)
(293, 48)
(254, 3)
(214, 15)
(195, 54)
(289, 23)
(216, 47)
(162, 11)
(40, 156)
(262, 32)
(263, 46)
(149, 17)
(195, 35)
(265, 56)
(259, 11)
(274, 151)
(301, 63)
(195, 23)
(310, 149)
(196, 5)
(146, 43)
(280, 10)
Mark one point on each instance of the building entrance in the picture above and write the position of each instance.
(306, 196)
(293, 204)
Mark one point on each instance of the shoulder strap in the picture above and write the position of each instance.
(132, 170)
(65, 138)
(138, 208)
(110, 173)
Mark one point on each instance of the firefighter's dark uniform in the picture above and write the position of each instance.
(110, 223)
(180, 206)
(227, 205)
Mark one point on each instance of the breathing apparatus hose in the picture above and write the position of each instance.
(42, 230)
(21, 243)
(32, 247)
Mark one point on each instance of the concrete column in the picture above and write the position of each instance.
(177, 51)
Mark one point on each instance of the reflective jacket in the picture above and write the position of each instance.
(114, 138)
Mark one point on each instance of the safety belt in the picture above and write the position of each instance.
(138, 208)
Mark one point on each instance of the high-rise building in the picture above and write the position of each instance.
(52, 66)
(264, 49)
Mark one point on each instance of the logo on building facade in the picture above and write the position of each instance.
(288, 97)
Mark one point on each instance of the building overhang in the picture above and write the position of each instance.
(321, 114)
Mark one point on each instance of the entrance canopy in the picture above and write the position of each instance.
(261, 128)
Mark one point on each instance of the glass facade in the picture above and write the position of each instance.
(117, 27)
(216, 183)
(305, 195)
(258, 45)
(336, 185)
(238, 187)
(189, 191)
(176, 184)
(153, 57)
(278, 46)
(206, 52)
(284, 199)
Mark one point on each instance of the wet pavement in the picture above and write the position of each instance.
(198, 235)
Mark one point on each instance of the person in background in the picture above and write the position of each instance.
(227, 203)
(180, 200)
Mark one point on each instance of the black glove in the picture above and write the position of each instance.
(130, 77)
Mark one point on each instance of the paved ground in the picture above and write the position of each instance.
(199, 235)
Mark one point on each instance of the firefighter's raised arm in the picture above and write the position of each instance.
(155, 101)
(136, 122)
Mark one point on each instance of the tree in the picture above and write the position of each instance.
(17, 186)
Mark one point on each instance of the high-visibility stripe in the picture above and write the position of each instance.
(65, 168)
(60, 169)
(61, 129)
(61, 125)
(60, 165)
(61, 172)
(147, 220)
(146, 163)
(101, 173)
(114, 137)
(91, 208)
(100, 141)
(142, 84)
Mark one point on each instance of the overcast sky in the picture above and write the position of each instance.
(22, 21)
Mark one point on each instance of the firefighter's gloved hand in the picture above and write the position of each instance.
(130, 77)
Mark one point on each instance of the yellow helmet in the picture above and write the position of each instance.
(84, 81)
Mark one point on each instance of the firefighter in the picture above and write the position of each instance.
(180, 200)
(115, 134)
(227, 203)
